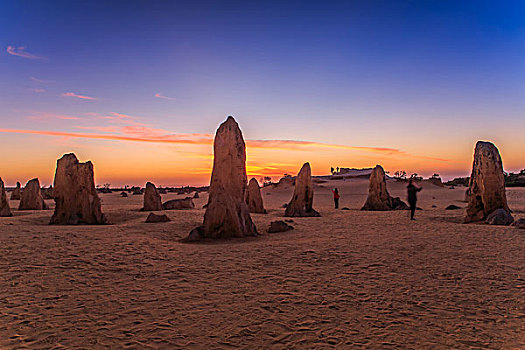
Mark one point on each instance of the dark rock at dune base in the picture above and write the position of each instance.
(452, 207)
(154, 218)
(175, 204)
(279, 226)
(520, 223)
(196, 195)
(345, 208)
(397, 204)
(434, 206)
(499, 217)
(197, 234)
(123, 194)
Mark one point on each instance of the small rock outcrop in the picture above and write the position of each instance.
(279, 226)
(486, 185)
(48, 192)
(303, 195)
(227, 214)
(254, 198)
(123, 194)
(196, 195)
(499, 217)
(378, 196)
(152, 199)
(520, 223)
(15, 195)
(76, 198)
(452, 207)
(175, 204)
(154, 218)
(436, 180)
(31, 198)
(4, 204)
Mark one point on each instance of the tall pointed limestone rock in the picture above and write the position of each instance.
(227, 214)
(303, 195)
(486, 192)
(254, 198)
(4, 204)
(15, 195)
(378, 196)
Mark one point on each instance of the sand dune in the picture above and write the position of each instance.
(349, 279)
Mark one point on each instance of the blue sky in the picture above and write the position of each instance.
(426, 77)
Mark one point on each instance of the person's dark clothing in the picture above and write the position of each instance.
(412, 198)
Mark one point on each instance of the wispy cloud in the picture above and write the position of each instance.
(50, 116)
(152, 135)
(20, 51)
(39, 81)
(164, 97)
(83, 97)
(288, 144)
(179, 138)
(37, 90)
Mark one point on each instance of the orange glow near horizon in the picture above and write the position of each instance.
(186, 159)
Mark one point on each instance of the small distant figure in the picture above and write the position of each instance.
(338, 170)
(335, 191)
(412, 190)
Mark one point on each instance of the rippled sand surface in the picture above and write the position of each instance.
(349, 279)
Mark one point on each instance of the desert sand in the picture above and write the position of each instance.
(348, 279)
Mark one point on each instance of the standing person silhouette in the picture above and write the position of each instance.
(412, 190)
(335, 191)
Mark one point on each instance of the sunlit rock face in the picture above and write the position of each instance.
(486, 192)
(302, 200)
(76, 199)
(152, 199)
(254, 198)
(378, 196)
(31, 198)
(227, 214)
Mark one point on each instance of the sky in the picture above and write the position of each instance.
(139, 87)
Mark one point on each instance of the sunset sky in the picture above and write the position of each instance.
(139, 87)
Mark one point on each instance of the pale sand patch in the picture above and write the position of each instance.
(350, 279)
